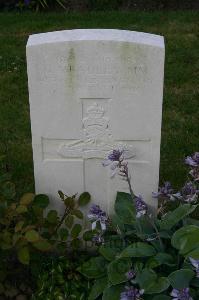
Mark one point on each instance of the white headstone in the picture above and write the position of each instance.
(91, 90)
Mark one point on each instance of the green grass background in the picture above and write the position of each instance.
(180, 127)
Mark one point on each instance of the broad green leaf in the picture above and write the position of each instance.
(108, 252)
(186, 239)
(181, 278)
(159, 286)
(23, 255)
(77, 213)
(63, 233)
(194, 254)
(52, 217)
(117, 270)
(41, 201)
(160, 259)
(98, 288)
(32, 236)
(69, 221)
(113, 292)
(84, 199)
(173, 217)
(138, 250)
(124, 208)
(76, 230)
(94, 267)
(26, 199)
(42, 245)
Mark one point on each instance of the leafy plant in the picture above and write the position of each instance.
(60, 280)
(141, 256)
(27, 230)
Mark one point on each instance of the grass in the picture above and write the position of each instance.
(180, 128)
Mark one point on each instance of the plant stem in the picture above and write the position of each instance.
(66, 212)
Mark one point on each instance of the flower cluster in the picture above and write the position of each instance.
(97, 215)
(164, 191)
(193, 162)
(181, 294)
(130, 274)
(189, 192)
(131, 293)
(140, 206)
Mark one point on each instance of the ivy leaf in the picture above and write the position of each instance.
(138, 250)
(23, 255)
(76, 230)
(98, 288)
(124, 208)
(117, 270)
(180, 279)
(84, 199)
(41, 201)
(32, 236)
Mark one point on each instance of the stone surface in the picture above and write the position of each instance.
(89, 91)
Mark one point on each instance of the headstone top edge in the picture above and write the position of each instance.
(96, 35)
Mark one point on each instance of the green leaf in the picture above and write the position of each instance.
(77, 213)
(41, 201)
(26, 199)
(23, 255)
(180, 279)
(69, 221)
(42, 245)
(117, 270)
(151, 283)
(32, 236)
(21, 209)
(124, 208)
(52, 217)
(84, 199)
(113, 292)
(186, 239)
(173, 217)
(88, 235)
(76, 230)
(63, 233)
(160, 259)
(138, 250)
(108, 252)
(8, 190)
(98, 288)
(94, 268)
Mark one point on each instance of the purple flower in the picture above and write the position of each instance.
(193, 161)
(140, 206)
(130, 274)
(165, 191)
(116, 160)
(96, 214)
(131, 293)
(195, 264)
(189, 192)
(181, 294)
